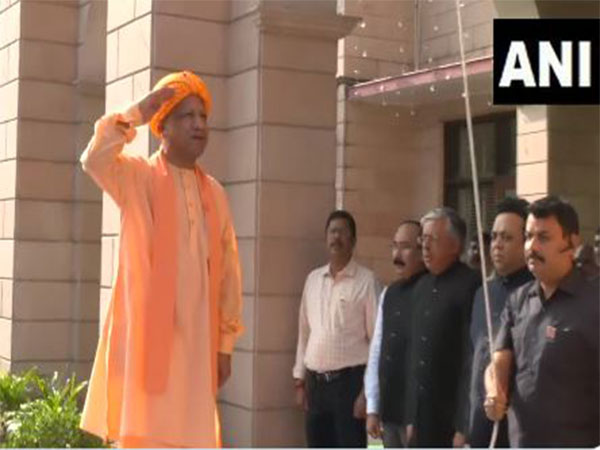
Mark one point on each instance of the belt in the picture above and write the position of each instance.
(332, 375)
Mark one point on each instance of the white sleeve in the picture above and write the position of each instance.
(372, 372)
(303, 335)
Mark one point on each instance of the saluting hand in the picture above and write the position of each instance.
(141, 112)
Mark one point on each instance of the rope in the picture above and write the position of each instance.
(475, 179)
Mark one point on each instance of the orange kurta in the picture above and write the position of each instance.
(119, 406)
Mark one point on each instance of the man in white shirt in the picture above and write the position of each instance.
(337, 317)
(385, 379)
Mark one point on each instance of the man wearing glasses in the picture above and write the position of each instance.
(439, 363)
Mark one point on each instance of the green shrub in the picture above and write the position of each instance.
(16, 389)
(46, 415)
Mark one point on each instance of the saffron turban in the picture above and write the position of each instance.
(185, 84)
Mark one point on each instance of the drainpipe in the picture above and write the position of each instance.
(417, 37)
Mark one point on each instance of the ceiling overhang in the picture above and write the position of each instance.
(427, 86)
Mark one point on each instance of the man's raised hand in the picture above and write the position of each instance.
(142, 111)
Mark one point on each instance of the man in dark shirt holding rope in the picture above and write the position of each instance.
(546, 366)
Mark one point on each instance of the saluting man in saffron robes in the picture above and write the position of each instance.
(166, 344)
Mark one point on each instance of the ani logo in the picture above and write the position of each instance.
(546, 61)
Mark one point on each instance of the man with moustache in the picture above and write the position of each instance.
(508, 259)
(336, 322)
(385, 379)
(439, 363)
(171, 325)
(546, 364)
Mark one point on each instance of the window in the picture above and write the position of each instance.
(495, 152)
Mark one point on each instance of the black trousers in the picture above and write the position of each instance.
(434, 425)
(329, 420)
(394, 436)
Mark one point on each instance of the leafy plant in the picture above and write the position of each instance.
(49, 417)
(16, 389)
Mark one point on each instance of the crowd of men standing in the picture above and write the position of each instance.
(411, 364)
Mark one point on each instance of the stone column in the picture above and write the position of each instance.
(291, 190)
(49, 249)
(558, 147)
(575, 155)
(10, 34)
(558, 151)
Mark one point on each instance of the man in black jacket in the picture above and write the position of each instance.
(385, 379)
(439, 363)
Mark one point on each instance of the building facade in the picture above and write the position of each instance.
(317, 104)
